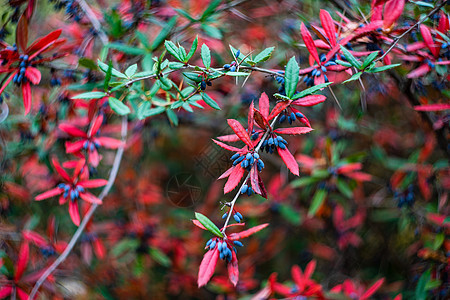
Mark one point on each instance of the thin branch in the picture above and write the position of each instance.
(397, 39)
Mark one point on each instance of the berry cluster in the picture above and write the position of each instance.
(406, 197)
(20, 77)
(247, 160)
(290, 117)
(273, 142)
(236, 215)
(224, 247)
(232, 66)
(309, 78)
(74, 191)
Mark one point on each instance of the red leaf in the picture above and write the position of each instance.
(33, 75)
(26, 93)
(262, 187)
(293, 130)
(420, 71)
(35, 238)
(226, 173)
(393, 10)
(264, 105)
(309, 43)
(74, 213)
(432, 107)
(359, 176)
(328, 26)
(349, 168)
(198, 224)
(74, 147)
(289, 160)
(279, 107)
(250, 118)
(247, 233)
(370, 291)
(227, 147)
(22, 32)
(428, 39)
(7, 82)
(233, 269)
(44, 41)
(72, 130)
(95, 125)
(234, 179)
(48, 194)
(240, 132)
(5, 291)
(309, 270)
(228, 138)
(254, 179)
(309, 100)
(109, 143)
(297, 276)
(90, 198)
(93, 183)
(207, 266)
(261, 120)
(22, 260)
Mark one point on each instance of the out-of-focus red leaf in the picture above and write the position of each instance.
(74, 213)
(108, 142)
(240, 132)
(428, 39)
(26, 94)
(246, 233)
(370, 291)
(393, 10)
(34, 238)
(420, 71)
(433, 107)
(207, 266)
(49, 194)
(44, 41)
(90, 198)
(309, 43)
(22, 33)
(22, 260)
(5, 291)
(234, 179)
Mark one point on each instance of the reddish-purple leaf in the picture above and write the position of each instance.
(246, 233)
(310, 100)
(432, 107)
(108, 142)
(262, 187)
(33, 75)
(309, 43)
(5, 291)
(250, 117)
(233, 269)
(428, 39)
(328, 26)
(261, 120)
(95, 125)
(279, 107)
(289, 160)
(227, 147)
(198, 224)
(88, 197)
(370, 291)
(293, 130)
(240, 132)
(264, 105)
(22, 260)
(44, 41)
(72, 130)
(22, 33)
(60, 170)
(93, 183)
(254, 179)
(26, 94)
(393, 10)
(234, 179)
(74, 213)
(207, 266)
(49, 194)
(34, 238)
(228, 138)
(420, 71)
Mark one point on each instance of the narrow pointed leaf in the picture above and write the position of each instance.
(208, 224)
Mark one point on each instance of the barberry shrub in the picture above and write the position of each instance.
(327, 121)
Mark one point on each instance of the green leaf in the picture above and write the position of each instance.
(119, 107)
(164, 33)
(208, 224)
(160, 257)
(281, 97)
(87, 63)
(131, 70)
(193, 76)
(421, 291)
(370, 59)
(263, 55)
(235, 74)
(311, 90)
(355, 76)
(132, 50)
(166, 83)
(172, 117)
(432, 284)
(90, 95)
(291, 77)
(206, 56)
(107, 77)
(438, 240)
(193, 49)
(104, 67)
(182, 52)
(212, 31)
(350, 58)
(143, 39)
(304, 181)
(383, 68)
(344, 188)
(172, 49)
(153, 111)
(318, 199)
(208, 100)
(185, 14)
(175, 65)
(343, 63)
(210, 9)
(290, 214)
(123, 246)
